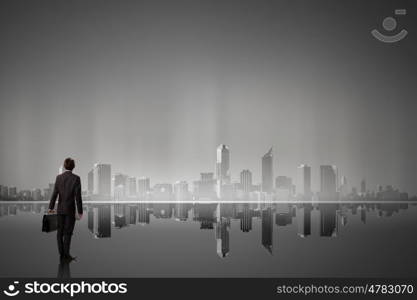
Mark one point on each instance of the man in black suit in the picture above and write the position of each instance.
(68, 189)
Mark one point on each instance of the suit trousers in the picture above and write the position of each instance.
(66, 225)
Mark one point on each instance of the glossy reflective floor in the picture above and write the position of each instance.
(217, 240)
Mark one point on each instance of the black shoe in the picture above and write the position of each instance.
(68, 258)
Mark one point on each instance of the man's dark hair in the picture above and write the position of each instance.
(69, 164)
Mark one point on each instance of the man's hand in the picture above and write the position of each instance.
(51, 211)
(80, 216)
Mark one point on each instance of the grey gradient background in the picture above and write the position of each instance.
(154, 86)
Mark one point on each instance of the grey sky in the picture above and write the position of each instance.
(154, 86)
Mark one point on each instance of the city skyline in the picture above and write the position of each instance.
(103, 184)
(316, 176)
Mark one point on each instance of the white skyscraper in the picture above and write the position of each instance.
(267, 172)
(223, 164)
(222, 168)
(144, 186)
(246, 180)
(102, 180)
(328, 180)
(120, 184)
(304, 178)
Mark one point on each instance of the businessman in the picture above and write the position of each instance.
(68, 191)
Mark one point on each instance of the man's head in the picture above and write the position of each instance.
(69, 164)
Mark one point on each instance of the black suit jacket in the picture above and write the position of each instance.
(68, 188)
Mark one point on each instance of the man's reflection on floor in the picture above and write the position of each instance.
(64, 270)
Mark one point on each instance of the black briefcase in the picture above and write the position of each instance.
(49, 222)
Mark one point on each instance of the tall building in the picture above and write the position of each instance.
(181, 190)
(304, 175)
(120, 186)
(90, 182)
(223, 164)
(4, 192)
(328, 180)
(246, 180)
(267, 172)
(144, 186)
(102, 180)
(363, 187)
(13, 192)
(131, 187)
(222, 170)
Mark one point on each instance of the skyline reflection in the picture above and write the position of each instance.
(103, 218)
